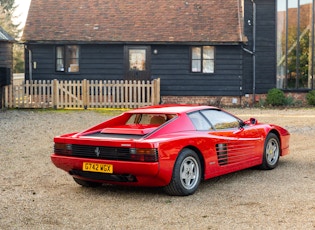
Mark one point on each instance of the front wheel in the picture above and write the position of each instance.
(271, 152)
(186, 174)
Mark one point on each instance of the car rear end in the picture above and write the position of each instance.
(108, 158)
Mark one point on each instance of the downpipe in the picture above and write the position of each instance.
(253, 52)
(30, 67)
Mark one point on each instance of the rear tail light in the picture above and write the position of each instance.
(63, 149)
(145, 155)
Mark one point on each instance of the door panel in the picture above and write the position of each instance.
(242, 147)
(233, 150)
(137, 62)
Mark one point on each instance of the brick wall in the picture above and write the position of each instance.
(220, 101)
(207, 100)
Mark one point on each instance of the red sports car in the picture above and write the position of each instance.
(170, 146)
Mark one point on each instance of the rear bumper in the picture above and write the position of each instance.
(124, 172)
(285, 145)
(285, 151)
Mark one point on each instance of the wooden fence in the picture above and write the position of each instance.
(82, 94)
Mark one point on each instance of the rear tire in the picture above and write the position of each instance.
(86, 183)
(186, 174)
(271, 152)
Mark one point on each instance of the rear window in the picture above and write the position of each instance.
(149, 119)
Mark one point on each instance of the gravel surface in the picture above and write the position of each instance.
(34, 194)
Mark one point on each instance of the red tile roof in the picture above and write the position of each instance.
(134, 21)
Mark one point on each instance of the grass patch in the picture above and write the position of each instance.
(108, 111)
(105, 111)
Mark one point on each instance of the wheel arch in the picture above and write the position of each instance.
(274, 131)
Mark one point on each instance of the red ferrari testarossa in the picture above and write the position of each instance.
(170, 146)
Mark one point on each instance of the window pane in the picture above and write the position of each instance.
(292, 44)
(196, 53)
(147, 119)
(60, 66)
(60, 59)
(137, 59)
(199, 121)
(72, 56)
(208, 66)
(60, 52)
(305, 44)
(196, 66)
(281, 45)
(208, 52)
(220, 119)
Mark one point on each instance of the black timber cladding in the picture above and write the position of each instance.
(171, 65)
(6, 58)
(6, 49)
(265, 46)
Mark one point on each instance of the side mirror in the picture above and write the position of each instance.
(253, 121)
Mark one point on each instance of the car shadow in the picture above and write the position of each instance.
(254, 175)
(108, 189)
(246, 177)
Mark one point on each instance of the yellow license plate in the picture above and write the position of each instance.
(96, 167)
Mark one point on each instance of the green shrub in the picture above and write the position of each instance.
(275, 97)
(289, 101)
(310, 97)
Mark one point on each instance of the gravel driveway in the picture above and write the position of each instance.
(36, 195)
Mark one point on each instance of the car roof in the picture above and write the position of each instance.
(171, 109)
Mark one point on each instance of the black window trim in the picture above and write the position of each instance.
(201, 60)
(64, 55)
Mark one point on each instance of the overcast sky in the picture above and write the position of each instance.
(21, 10)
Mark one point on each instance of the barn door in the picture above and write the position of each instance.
(137, 62)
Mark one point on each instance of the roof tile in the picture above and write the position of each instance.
(134, 21)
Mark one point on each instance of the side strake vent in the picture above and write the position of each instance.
(222, 151)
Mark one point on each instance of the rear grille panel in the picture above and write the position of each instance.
(108, 153)
(100, 152)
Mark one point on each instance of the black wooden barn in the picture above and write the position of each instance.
(6, 60)
(204, 48)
